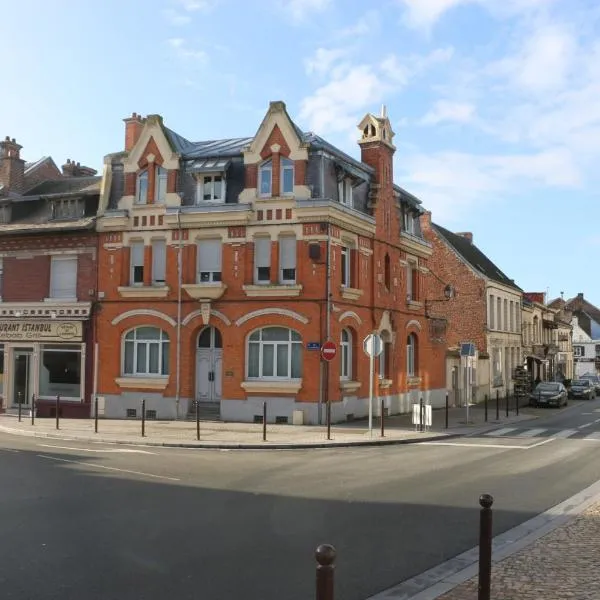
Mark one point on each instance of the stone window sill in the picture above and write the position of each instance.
(414, 304)
(205, 291)
(413, 380)
(272, 387)
(147, 383)
(277, 290)
(349, 293)
(349, 386)
(143, 291)
(385, 383)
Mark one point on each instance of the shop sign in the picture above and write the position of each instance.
(41, 331)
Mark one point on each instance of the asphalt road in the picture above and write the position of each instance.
(91, 521)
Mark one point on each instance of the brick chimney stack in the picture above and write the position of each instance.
(73, 169)
(133, 130)
(467, 235)
(12, 166)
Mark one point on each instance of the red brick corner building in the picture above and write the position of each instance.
(224, 265)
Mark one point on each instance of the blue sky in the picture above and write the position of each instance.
(495, 103)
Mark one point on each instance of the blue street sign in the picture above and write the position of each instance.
(313, 345)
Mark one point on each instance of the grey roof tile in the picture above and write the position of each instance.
(68, 185)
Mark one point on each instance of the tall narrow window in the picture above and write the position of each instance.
(505, 314)
(262, 260)
(209, 261)
(492, 308)
(265, 180)
(346, 355)
(141, 196)
(512, 316)
(411, 355)
(211, 188)
(409, 222)
(387, 275)
(412, 282)
(63, 277)
(287, 176)
(345, 191)
(499, 314)
(160, 186)
(345, 266)
(274, 353)
(159, 262)
(137, 263)
(287, 259)
(385, 356)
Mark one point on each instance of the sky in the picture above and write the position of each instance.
(495, 103)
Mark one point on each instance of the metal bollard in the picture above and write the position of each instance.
(33, 409)
(144, 417)
(264, 423)
(382, 419)
(57, 411)
(96, 414)
(485, 406)
(506, 393)
(328, 417)
(447, 409)
(485, 547)
(497, 405)
(325, 555)
(197, 420)
(421, 425)
(517, 398)
(20, 405)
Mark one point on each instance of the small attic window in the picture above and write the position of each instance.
(67, 208)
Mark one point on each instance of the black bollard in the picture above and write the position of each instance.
(58, 411)
(20, 405)
(497, 405)
(421, 424)
(96, 414)
(197, 420)
(517, 398)
(485, 547)
(447, 409)
(33, 409)
(507, 401)
(264, 423)
(328, 417)
(325, 555)
(382, 419)
(144, 417)
(485, 406)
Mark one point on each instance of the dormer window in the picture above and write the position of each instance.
(287, 176)
(211, 188)
(265, 178)
(409, 223)
(141, 195)
(68, 208)
(345, 191)
(160, 186)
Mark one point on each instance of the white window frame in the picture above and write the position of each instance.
(293, 345)
(492, 320)
(289, 265)
(345, 266)
(141, 192)
(578, 351)
(265, 167)
(201, 185)
(159, 268)
(411, 293)
(409, 222)
(161, 342)
(62, 259)
(262, 240)
(286, 164)
(160, 185)
(211, 273)
(383, 358)
(498, 313)
(411, 355)
(132, 265)
(345, 192)
(497, 367)
(346, 355)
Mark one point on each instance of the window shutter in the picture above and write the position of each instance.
(159, 261)
(287, 252)
(137, 254)
(209, 256)
(63, 278)
(262, 252)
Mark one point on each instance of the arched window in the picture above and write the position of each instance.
(287, 176)
(146, 352)
(412, 366)
(346, 354)
(265, 178)
(386, 355)
(160, 186)
(141, 195)
(274, 353)
(387, 275)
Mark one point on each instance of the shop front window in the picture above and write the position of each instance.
(60, 371)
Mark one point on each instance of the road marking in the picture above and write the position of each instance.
(530, 433)
(584, 426)
(114, 450)
(593, 437)
(565, 433)
(94, 466)
(597, 421)
(498, 446)
(503, 431)
(587, 413)
(10, 450)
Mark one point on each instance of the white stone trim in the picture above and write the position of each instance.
(350, 314)
(143, 312)
(143, 291)
(213, 313)
(272, 387)
(204, 291)
(151, 130)
(151, 383)
(414, 323)
(350, 386)
(277, 290)
(349, 293)
(284, 312)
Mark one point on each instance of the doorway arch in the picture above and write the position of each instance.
(209, 360)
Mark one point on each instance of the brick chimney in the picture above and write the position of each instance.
(73, 169)
(133, 130)
(12, 166)
(426, 220)
(467, 235)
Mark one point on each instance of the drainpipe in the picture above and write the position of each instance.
(178, 343)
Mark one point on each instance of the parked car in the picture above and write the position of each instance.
(594, 379)
(548, 393)
(583, 388)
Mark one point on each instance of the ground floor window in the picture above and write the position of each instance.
(60, 371)
(146, 352)
(274, 353)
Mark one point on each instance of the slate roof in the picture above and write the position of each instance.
(67, 185)
(580, 305)
(475, 257)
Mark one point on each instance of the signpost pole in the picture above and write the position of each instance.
(371, 374)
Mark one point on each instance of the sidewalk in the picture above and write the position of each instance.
(398, 430)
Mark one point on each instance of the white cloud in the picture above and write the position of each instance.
(301, 9)
(449, 111)
(196, 5)
(176, 18)
(323, 59)
(181, 50)
(368, 24)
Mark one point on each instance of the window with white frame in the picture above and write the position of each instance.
(136, 263)
(497, 366)
(265, 178)
(160, 185)
(287, 259)
(63, 277)
(262, 260)
(209, 261)
(411, 355)
(499, 314)
(287, 176)
(409, 222)
(578, 351)
(492, 308)
(211, 188)
(506, 324)
(141, 193)
(146, 352)
(511, 313)
(274, 353)
(345, 266)
(159, 262)
(385, 356)
(412, 282)
(345, 191)
(346, 355)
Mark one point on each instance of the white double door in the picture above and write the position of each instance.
(209, 360)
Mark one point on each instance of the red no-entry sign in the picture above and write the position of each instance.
(328, 350)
